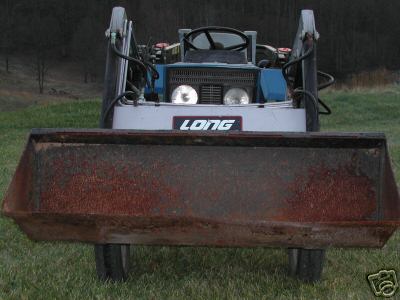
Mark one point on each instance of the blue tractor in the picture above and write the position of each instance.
(211, 141)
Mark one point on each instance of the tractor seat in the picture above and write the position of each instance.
(215, 56)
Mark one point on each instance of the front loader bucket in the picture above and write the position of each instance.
(245, 189)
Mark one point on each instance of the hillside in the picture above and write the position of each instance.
(63, 82)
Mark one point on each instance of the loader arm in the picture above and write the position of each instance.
(301, 70)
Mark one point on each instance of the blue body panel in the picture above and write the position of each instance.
(272, 85)
(159, 83)
(213, 65)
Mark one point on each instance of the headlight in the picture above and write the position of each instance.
(184, 94)
(236, 96)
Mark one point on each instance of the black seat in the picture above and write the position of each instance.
(215, 56)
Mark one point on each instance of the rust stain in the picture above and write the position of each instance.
(101, 188)
(330, 195)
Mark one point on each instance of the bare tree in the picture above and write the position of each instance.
(86, 42)
(355, 35)
(43, 36)
(41, 68)
(6, 25)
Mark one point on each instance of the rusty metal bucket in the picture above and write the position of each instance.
(220, 189)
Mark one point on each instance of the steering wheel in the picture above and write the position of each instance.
(208, 29)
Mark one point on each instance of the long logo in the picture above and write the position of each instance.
(207, 123)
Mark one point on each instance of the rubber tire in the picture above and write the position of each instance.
(306, 264)
(112, 262)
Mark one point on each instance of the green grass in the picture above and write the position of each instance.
(31, 270)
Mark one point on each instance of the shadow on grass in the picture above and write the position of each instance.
(212, 265)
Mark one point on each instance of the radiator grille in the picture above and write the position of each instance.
(211, 94)
(212, 83)
(188, 76)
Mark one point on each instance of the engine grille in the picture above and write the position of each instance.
(212, 83)
(188, 76)
(211, 94)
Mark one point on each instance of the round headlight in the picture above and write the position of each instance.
(236, 96)
(184, 94)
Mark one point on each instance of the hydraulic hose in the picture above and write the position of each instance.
(329, 82)
(155, 75)
(112, 104)
(131, 59)
(295, 61)
(327, 111)
(142, 65)
(310, 95)
(132, 87)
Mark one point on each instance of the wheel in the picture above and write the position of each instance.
(112, 261)
(292, 258)
(306, 264)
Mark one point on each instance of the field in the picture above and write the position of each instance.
(63, 83)
(31, 270)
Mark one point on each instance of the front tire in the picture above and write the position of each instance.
(112, 261)
(306, 264)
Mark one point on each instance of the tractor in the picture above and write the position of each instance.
(210, 141)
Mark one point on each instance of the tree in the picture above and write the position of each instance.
(87, 42)
(42, 34)
(6, 24)
(355, 35)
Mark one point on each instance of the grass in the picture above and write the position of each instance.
(30, 270)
